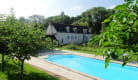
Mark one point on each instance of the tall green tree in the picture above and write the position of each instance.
(62, 18)
(5, 32)
(26, 42)
(93, 18)
(23, 20)
(121, 33)
(36, 18)
(6, 21)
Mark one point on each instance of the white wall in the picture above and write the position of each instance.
(71, 38)
(51, 30)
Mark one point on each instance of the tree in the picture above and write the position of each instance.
(36, 18)
(79, 23)
(35, 21)
(121, 33)
(26, 42)
(93, 18)
(11, 19)
(22, 20)
(4, 38)
(5, 32)
(62, 18)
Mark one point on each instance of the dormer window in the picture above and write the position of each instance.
(75, 29)
(68, 29)
(85, 31)
(89, 30)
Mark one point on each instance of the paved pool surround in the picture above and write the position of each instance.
(62, 71)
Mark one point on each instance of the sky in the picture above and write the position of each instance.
(48, 8)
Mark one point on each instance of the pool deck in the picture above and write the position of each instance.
(62, 72)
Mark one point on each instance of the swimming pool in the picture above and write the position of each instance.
(95, 67)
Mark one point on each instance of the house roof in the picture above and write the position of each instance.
(62, 28)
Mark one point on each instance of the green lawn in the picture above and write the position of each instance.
(90, 50)
(85, 49)
(31, 73)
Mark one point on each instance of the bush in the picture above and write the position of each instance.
(3, 76)
(72, 47)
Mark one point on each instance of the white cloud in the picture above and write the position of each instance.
(25, 7)
(112, 7)
(48, 8)
(4, 6)
(76, 8)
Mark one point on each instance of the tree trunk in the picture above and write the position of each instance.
(2, 64)
(52, 45)
(22, 68)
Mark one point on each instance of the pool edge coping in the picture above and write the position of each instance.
(98, 57)
(79, 54)
(78, 72)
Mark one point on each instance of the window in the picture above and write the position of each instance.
(68, 29)
(75, 29)
(75, 37)
(68, 37)
(85, 31)
(71, 37)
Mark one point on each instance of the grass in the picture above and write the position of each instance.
(85, 49)
(91, 50)
(12, 72)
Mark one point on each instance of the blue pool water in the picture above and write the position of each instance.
(96, 67)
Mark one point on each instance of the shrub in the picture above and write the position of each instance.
(72, 47)
(3, 76)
